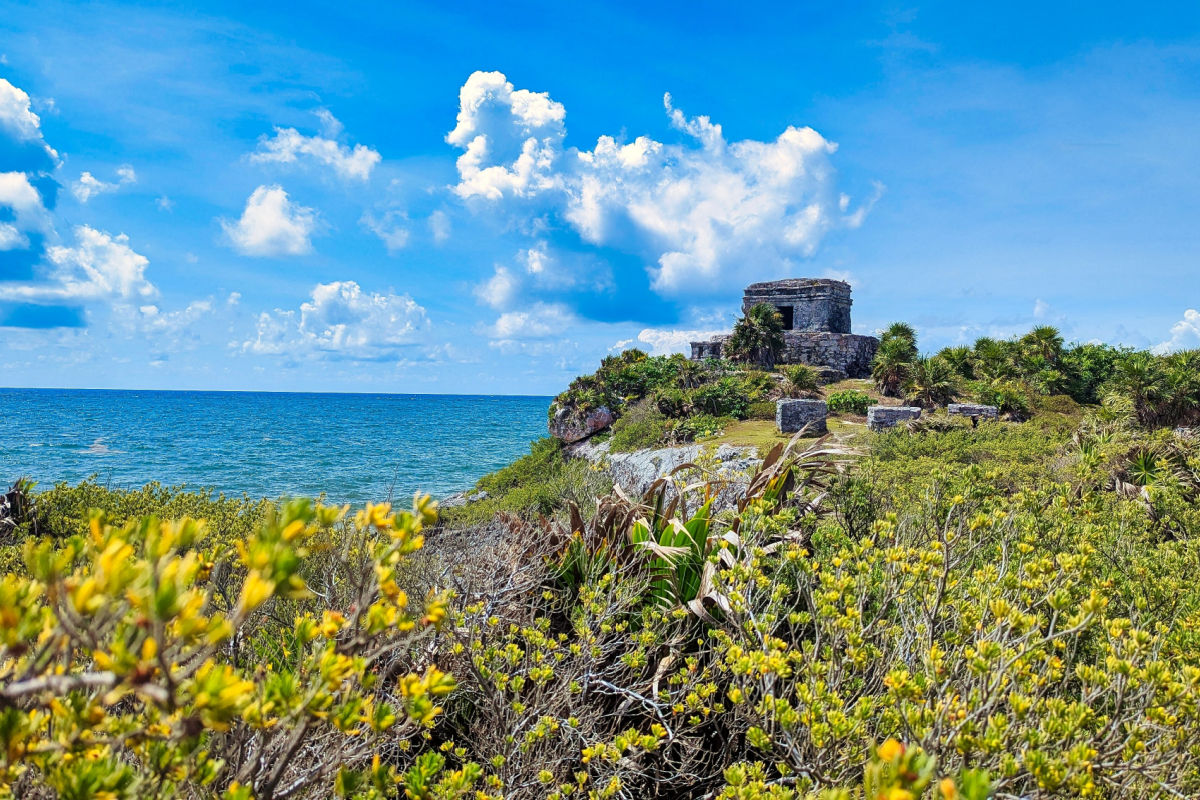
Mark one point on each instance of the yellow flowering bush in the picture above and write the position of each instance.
(960, 613)
(128, 666)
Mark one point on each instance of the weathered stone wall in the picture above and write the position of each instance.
(818, 304)
(794, 415)
(883, 417)
(973, 410)
(848, 353)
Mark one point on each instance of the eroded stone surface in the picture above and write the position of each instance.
(571, 425)
(973, 410)
(727, 466)
(794, 415)
(883, 417)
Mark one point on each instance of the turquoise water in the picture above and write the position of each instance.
(353, 447)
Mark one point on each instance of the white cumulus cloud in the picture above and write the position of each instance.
(539, 321)
(99, 267)
(511, 138)
(391, 227)
(706, 214)
(664, 342)
(288, 146)
(341, 320)
(17, 118)
(88, 186)
(25, 204)
(272, 225)
(1185, 334)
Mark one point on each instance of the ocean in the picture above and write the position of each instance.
(352, 447)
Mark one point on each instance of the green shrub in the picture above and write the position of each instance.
(725, 397)
(849, 401)
(802, 381)
(1013, 398)
(642, 426)
(672, 401)
(761, 410)
(699, 426)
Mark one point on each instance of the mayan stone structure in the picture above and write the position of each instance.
(816, 322)
(796, 415)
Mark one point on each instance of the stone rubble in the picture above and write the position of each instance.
(883, 417)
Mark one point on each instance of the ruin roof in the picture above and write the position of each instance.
(798, 283)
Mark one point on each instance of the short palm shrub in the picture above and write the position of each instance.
(932, 382)
(802, 380)
(849, 401)
(757, 338)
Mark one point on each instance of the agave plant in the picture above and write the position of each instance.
(1146, 466)
(657, 538)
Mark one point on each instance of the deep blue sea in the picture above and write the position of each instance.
(353, 447)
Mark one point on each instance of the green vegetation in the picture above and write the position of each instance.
(944, 611)
(1017, 374)
(1001, 611)
(849, 401)
(802, 381)
(757, 338)
(670, 398)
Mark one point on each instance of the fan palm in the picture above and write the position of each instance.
(757, 337)
(1139, 377)
(892, 366)
(901, 332)
(932, 382)
(1044, 341)
(959, 359)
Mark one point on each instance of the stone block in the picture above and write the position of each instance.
(973, 410)
(883, 417)
(793, 415)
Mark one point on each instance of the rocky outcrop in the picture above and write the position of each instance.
(795, 415)
(883, 417)
(728, 467)
(572, 425)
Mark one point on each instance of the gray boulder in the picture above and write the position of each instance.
(883, 417)
(792, 415)
(973, 410)
(572, 425)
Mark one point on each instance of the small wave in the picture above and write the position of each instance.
(99, 448)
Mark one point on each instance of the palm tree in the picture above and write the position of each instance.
(757, 337)
(994, 360)
(960, 360)
(933, 382)
(1181, 387)
(1044, 341)
(892, 366)
(1139, 377)
(903, 332)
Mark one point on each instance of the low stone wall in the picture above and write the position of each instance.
(883, 417)
(973, 410)
(792, 416)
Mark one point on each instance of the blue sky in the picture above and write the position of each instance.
(488, 198)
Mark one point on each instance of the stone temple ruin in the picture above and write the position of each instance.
(816, 322)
